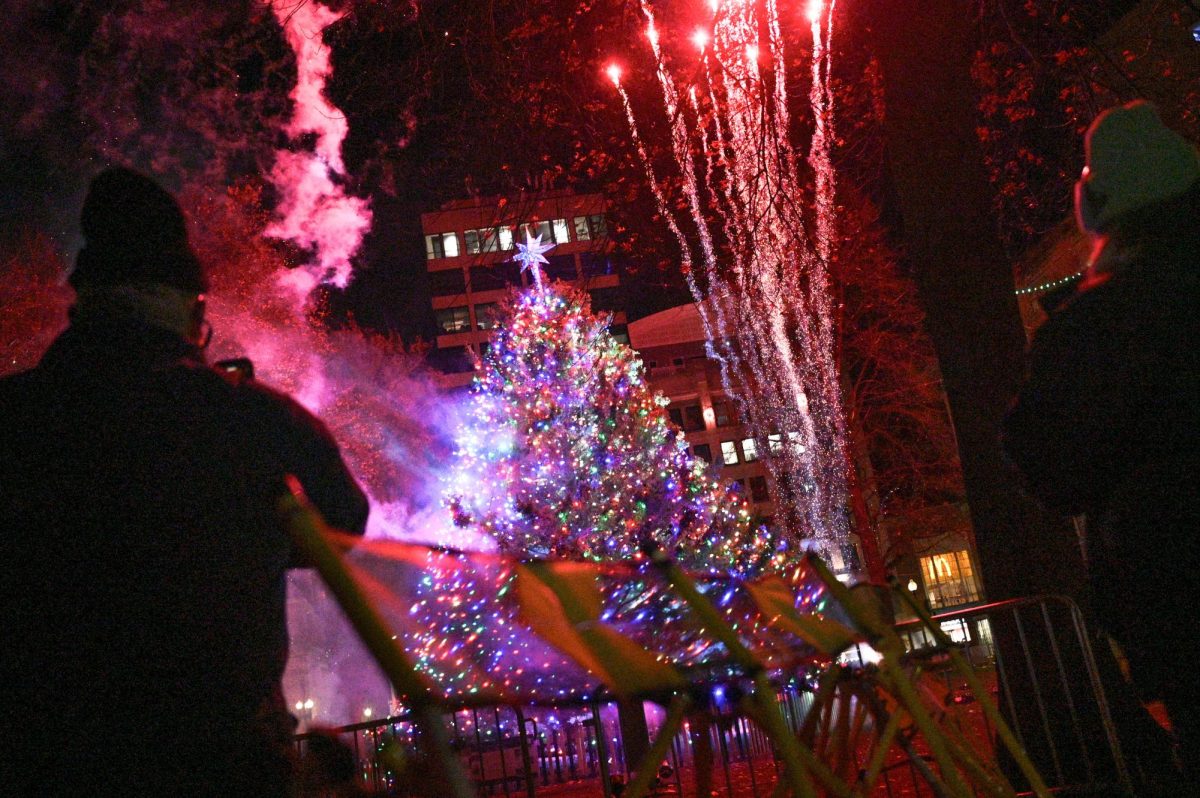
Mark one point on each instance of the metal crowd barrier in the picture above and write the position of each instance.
(1034, 654)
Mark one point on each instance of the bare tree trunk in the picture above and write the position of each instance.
(950, 238)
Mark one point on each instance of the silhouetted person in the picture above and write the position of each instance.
(142, 566)
(1108, 424)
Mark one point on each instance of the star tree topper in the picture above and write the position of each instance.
(529, 255)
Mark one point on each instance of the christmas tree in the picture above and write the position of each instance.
(569, 454)
(566, 453)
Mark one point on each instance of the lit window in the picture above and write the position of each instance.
(589, 227)
(775, 443)
(535, 229)
(729, 452)
(506, 238)
(949, 579)
(441, 245)
(794, 440)
(598, 225)
(484, 239)
(750, 449)
(453, 320)
(561, 233)
(581, 229)
(957, 630)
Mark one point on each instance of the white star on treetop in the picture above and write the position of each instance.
(529, 255)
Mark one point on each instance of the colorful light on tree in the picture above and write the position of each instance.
(569, 454)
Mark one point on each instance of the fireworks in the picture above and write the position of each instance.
(763, 286)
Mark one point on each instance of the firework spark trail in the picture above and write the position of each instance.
(679, 141)
(316, 213)
(714, 317)
(820, 159)
(767, 191)
(719, 293)
(660, 202)
(767, 308)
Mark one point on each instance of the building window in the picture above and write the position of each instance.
(506, 238)
(485, 239)
(485, 316)
(606, 299)
(454, 359)
(729, 452)
(724, 413)
(441, 245)
(560, 267)
(582, 233)
(535, 229)
(596, 263)
(562, 233)
(750, 450)
(447, 282)
(703, 451)
(758, 489)
(590, 227)
(687, 417)
(495, 276)
(489, 239)
(775, 443)
(471, 240)
(453, 320)
(949, 579)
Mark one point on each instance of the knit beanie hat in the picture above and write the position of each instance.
(135, 234)
(1133, 161)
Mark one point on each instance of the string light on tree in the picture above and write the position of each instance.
(575, 453)
(568, 454)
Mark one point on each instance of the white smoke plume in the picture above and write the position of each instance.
(315, 211)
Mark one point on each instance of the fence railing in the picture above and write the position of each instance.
(1034, 654)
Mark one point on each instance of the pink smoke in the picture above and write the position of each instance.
(315, 211)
